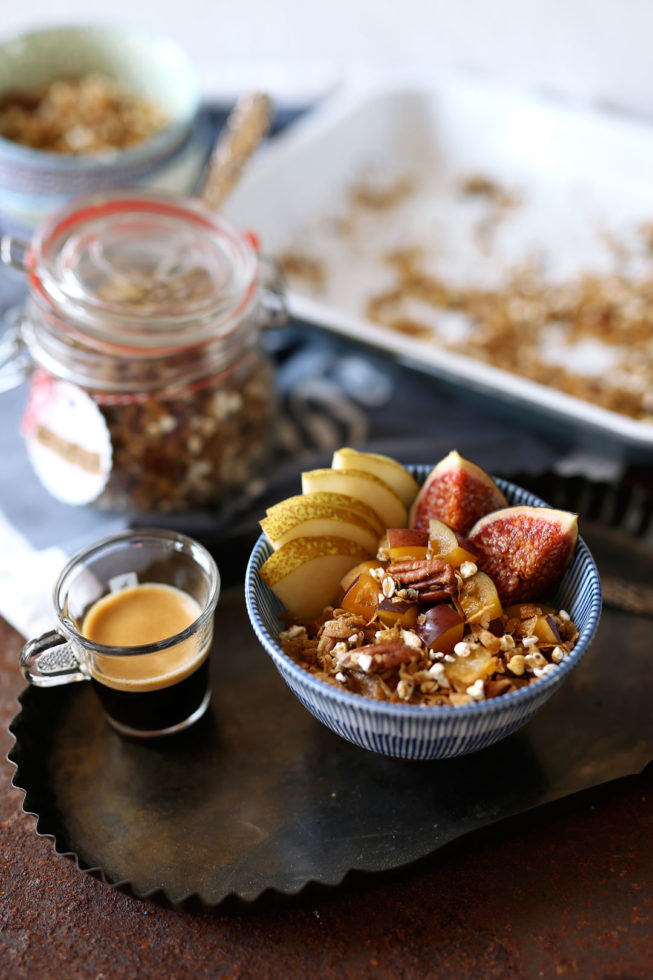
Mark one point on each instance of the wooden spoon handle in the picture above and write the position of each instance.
(245, 128)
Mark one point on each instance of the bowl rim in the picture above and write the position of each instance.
(178, 130)
(538, 689)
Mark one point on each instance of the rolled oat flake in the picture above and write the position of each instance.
(140, 336)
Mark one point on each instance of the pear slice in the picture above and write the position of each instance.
(327, 499)
(386, 468)
(305, 572)
(372, 490)
(306, 519)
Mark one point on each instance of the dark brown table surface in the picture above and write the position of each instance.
(565, 890)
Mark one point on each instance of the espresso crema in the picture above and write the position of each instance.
(138, 615)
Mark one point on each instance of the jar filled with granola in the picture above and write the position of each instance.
(141, 333)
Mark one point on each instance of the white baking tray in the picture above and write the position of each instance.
(584, 179)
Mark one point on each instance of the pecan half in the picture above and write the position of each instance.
(379, 656)
(432, 578)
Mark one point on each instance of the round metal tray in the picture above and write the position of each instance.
(260, 796)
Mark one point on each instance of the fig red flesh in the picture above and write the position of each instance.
(458, 493)
(525, 550)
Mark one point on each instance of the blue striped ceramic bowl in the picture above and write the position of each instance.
(408, 731)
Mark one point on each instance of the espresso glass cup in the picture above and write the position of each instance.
(149, 689)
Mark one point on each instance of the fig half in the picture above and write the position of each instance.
(525, 550)
(457, 492)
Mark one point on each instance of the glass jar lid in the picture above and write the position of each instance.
(143, 271)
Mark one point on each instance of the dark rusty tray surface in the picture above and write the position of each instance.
(259, 795)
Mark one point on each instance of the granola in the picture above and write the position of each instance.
(482, 298)
(391, 663)
(509, 323)
(184, 448)
(88, 114)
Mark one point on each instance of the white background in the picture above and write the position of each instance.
(596, 51)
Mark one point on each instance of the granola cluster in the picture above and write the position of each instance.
(392, 663)
(180, 449)
(79, 115)
(509, 324)
(513, 325)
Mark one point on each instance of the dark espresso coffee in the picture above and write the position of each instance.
(159, 690)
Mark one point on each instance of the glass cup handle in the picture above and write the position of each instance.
(15, 361)
(49, 660)
(273, 292)
(14, 252)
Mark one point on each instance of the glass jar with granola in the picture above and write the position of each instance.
(150, 389)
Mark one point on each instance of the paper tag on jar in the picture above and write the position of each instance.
(67, 440)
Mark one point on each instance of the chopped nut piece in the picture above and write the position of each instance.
(462, 649)
(468, 568)
(476, 690)
(404, 690)
(411, 639)
(517, 665)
